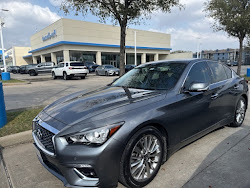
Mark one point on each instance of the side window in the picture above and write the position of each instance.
(198, 73)
(62, 65)
(67, 64)
(218, 72)
(228, 72)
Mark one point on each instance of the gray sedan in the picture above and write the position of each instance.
(108, 70)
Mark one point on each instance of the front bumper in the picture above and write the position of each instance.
(113, 73)
(70, 162)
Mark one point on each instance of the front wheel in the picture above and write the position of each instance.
(240, 113)
(32, 73)
(142, 158)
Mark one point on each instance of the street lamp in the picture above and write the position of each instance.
(1, 33)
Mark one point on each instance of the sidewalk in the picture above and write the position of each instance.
(220, 159)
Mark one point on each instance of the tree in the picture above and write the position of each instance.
(123, 12)
(231, 16)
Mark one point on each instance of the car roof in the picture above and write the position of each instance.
(186, 61)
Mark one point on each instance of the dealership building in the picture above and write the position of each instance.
(73, 40)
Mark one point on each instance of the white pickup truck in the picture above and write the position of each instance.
(70, 69)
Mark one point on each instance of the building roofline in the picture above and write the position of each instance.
(96, 44)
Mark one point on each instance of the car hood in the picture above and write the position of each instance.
(78, 107)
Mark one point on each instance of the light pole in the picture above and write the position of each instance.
(198, 47)
(1, 33)
(135, 50)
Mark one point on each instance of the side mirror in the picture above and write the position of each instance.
(198, 87)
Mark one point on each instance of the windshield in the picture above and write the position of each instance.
(109, 67)
(77, 64)
(160, 76)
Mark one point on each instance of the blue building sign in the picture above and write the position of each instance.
(49, 36)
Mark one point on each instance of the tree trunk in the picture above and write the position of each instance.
(122, 48)
(240, 56)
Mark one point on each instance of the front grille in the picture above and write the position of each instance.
(44, 136)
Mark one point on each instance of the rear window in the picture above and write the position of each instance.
(77, 64)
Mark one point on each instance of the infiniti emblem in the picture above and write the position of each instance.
(39, 134)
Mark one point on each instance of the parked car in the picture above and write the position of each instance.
(70, 69)
(24, 68)
(2, 68)
(91, 65)
(13, 69)
(234, 63)
(126, 130)
(41, 68)
(108, 70)
(129, 67)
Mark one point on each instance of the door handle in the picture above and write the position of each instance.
(236, 87)
(214, 96)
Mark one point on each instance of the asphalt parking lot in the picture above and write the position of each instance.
(42, 90)
(219, 159)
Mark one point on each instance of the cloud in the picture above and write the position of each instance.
(22, 20)
(187, 25)
(56, 3)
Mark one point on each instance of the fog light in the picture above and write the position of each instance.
(88, 172)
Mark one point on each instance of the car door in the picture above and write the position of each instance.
(222, 103)
(61, 69)
(101, 70)
(192, 108)
(40, 68)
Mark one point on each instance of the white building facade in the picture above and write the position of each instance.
(73, 40)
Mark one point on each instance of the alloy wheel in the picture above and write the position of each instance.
(240, 112)
(145, 158)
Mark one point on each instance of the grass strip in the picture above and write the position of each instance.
(19, 121)
(247, 78)
(12, 81)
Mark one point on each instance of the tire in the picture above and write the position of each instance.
(32, 73)
(128, 173)
(82, 77)
(106, 74)
(54, 76)
(96, 73)
(240, 113)
(14, 71)
(65, 76)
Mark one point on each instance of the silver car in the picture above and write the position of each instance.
(108, 70)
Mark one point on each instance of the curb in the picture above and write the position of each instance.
(16, 139)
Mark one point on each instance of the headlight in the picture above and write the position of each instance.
(97, 136)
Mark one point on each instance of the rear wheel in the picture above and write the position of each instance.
(142, 158)
(65, 76)
(106, 73)
(96, 73)
(82, 77)
(240, 113)
(54, 76)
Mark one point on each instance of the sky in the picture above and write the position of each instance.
(188, 27)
